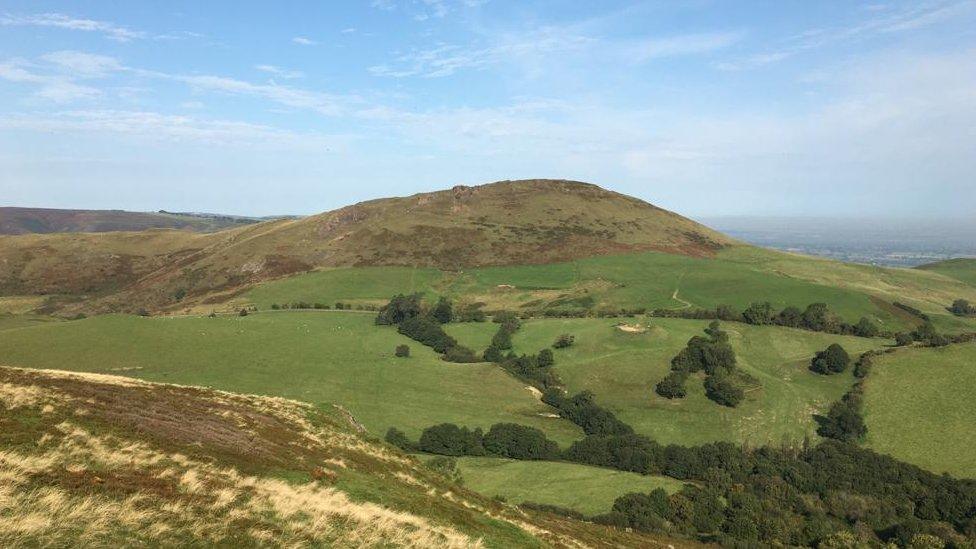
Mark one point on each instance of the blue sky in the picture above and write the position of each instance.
(703, 107)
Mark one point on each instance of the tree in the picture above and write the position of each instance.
(400, 308)
(865, 328)
(720, 388)
(790, 317)
(443, 312)
(450, 440)
(903, 339)
(461, 354)
(427, 332)
(545, 358)
(924, 332)
(759, 313)
(519, 442)
(492, 354)
(672, 386)
(563, 341)
(818, 318)
(961, 307)
(833, 360)
(843, 421)
(402, 351)
(397, 438)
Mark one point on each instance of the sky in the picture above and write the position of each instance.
(704, 107)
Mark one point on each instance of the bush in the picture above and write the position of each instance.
(673, 385)
(903, 339)
(427, 332)
(519, 442)
(461, 355)
(759, 313)
(443, 312)
(961, 307)
(450, 440)
(720, 388)
(843, 421)
(563, 341)
(397, 438)
(832, 360)
(581, 410)
(242, 313)
(492, 354)
(545, 358)
(402, 351)
(818, 318)
(865, 328)
(790, 317)
(400, 308)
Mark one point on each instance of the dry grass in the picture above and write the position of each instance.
(95, 460)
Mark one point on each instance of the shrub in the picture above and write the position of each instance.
(492, 354)
(427, 332)
(563, 341)
(832, 360)
(817, 317)
(865, 328)
(791, 317)
(400, 308)
(519, 442)
(275, 307)
(450, 440)
(843, 421)
(402, 351)
(397, 438)
(759, 313)
(461, 355)
(720, 388)
(961, 307)
(903, 339)
(863, 365)
(583, 411)
(673, 385)
(545, 358)
(242, 313)
(443, 312)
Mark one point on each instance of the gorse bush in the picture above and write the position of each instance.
(833, 360)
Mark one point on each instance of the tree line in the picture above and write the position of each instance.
(817, 317)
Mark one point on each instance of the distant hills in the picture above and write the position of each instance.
(14, 221)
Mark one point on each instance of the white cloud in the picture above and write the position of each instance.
(51, 88)
(62, 21)
(279, 72)
(302, 41)
(349, 30)
(83, 64)
(685, 44)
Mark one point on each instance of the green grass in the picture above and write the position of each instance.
(317, 357)
(589, 490)
(622, 369)
(737, 277)
(919, 408)
(361, 284)
(10, 322)
(963, 270)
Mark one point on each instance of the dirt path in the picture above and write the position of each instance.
(674, 296)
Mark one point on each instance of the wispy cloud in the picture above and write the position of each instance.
(685, 44)
(422, 10)
(280, 72)
(883, 19)
(56, 88)
(83, 64)
(303, 41)
(62, 21)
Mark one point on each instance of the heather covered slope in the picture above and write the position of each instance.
(45, 220)
(106, 461)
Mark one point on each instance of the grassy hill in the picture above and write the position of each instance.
(98, 460)
(918, 408)
(962, 269)
(44, 221)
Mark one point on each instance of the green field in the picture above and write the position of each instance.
(919, 408)
(961, 269)
(589, 490)
(317, 357)
(622, 368)
(737, 276)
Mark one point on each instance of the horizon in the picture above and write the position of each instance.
(705, 109)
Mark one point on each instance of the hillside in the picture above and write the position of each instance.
(962, 269)
(109, 461)
(46, 221)
(505, 223)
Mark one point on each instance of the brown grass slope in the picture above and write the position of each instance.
(93, 460)
(49, 220)
(504, 223)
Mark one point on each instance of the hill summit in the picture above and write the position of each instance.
(503, 223)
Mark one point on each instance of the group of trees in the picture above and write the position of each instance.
(422, 325)
(832, 360)
(534, 369)
(713, 355)
(582, 410)
(961, 307)
(508, 440)
(816, 317)
(339, 306)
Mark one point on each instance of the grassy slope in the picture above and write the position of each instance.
(589, 490)
(960, 269)
(622, 369)
(737, 276)
(108, 462)
(317, 357)
(918, 408)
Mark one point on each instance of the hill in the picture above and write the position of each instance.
(46, 221)
(107, 461)
(963, 269)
